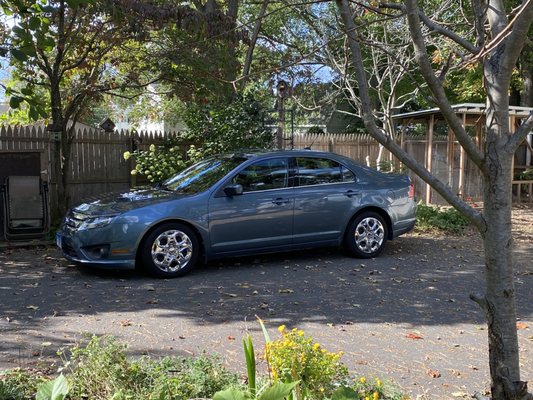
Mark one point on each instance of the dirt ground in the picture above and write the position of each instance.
(404, 316)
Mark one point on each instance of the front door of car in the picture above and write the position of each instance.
(325, 197)
(261, 218)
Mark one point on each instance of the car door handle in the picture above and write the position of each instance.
(351, 193)
(280, 201)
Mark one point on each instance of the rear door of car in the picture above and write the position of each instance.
(259, 219)
(325, 198)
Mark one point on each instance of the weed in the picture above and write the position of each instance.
(443, 219)
(19, 384)
(100, 370)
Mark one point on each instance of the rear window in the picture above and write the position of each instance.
(320, 171)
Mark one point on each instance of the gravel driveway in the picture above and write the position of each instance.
(404, 316)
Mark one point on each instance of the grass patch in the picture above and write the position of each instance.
(448, 220)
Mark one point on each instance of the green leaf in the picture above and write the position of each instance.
(14, 101)
(53, 390)
(73, 3)
(249, 355)
(19, 55)
(18, 30)
(344, 393)
(229, 394)
(34, 113)
(34, 23)
(278, 391)
(263, 328)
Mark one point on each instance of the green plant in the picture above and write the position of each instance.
(99, 369)
(158, 162)
(269, 391)
(220, 128)
(295, 357)
(53, 390)
(249, 355)
(526, 175)
(444, 219)
(18, 384)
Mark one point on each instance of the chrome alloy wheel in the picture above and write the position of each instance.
(369, 235)
(172, 250)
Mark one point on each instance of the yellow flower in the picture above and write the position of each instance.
(316, 346)
(133, 172)
(378, 382)
(152, 147)
(362, 380)
(301, 333)
(127, 155)
(367, 398)
(375, 396)
(281, 328)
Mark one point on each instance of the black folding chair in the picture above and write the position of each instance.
(25, 210)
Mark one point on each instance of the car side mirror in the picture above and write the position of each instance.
(233, 190)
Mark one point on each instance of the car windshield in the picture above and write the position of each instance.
(203, 175)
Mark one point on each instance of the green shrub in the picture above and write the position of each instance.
(444, 219)
(100, 370)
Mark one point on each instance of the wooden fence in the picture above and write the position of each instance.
(96, 166)
(97, 163)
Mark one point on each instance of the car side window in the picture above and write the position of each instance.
(318, 171)
(264, 175)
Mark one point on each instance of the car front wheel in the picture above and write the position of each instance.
(170, 250)
(366, 236)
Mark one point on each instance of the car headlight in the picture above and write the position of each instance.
(96, 222)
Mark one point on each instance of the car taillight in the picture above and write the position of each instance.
(411, 190)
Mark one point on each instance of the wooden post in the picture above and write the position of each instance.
(450, 156)
(462, 166)
(429, 154)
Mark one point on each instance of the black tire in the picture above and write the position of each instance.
(170, 250)
(366, 235)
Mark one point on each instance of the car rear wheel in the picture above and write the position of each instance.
(366, 236)
(170, 250)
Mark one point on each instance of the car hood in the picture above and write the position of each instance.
(117, 203)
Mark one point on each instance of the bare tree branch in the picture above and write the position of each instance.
(387, 141)
(436, 88)
(461, 41)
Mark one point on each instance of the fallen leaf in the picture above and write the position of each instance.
(433, 373)
(231, 338)
(460, 394)
(46, 344)
(285, 291)
(153, 301)
(32, 307)
(126, 322)
(230, 294)
(521, 325)
(414, 336)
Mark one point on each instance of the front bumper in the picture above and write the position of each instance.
(74, 252)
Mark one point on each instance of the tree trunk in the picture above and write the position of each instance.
(499, 300)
